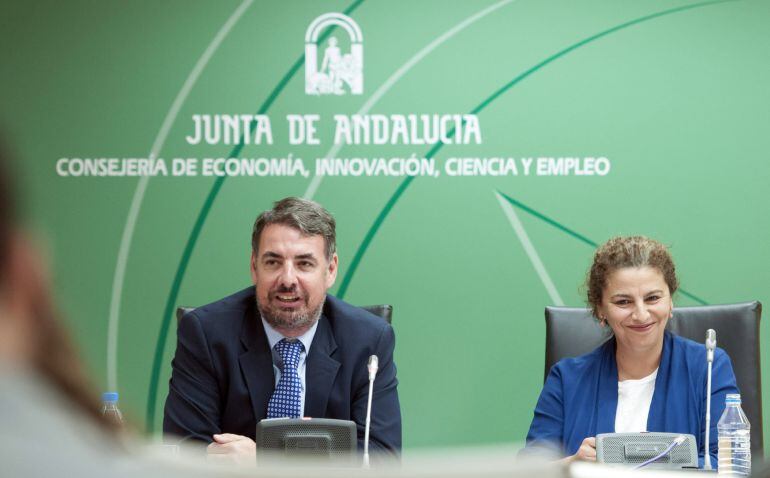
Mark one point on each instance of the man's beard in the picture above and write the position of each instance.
(286, 320)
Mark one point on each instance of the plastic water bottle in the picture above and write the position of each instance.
(110, 409)
(734, 438)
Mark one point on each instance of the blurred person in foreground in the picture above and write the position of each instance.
(643, 378)
(282, 347)
(50, 416)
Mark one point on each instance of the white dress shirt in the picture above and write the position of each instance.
(634, 399)
(273, 337)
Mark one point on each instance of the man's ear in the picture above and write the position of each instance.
(253, 267)
(332, 271)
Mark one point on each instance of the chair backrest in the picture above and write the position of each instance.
(183, 310)
(384, 310)
(572, 331)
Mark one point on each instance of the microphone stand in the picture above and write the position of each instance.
(711, 343)
(373, 365)
(706, 444)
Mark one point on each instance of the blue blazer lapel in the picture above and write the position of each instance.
(607, 404)
(656, 419)
(256, 363)
(321, 370)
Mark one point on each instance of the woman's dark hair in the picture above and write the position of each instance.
(630, 251)
(7, 208)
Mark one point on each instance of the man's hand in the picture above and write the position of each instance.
(586, 452)
(236, 448)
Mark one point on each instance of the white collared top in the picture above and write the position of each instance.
(634, 399)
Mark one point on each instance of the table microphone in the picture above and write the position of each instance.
(373, 365)
(711, 345)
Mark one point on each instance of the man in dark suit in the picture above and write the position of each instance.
(283, 347)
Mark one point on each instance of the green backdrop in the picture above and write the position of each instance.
(674, 94)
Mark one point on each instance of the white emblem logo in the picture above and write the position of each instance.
(336, 70)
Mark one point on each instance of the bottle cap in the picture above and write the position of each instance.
(733, 399)
(110, 397)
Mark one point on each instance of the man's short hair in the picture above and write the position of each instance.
(308, 217)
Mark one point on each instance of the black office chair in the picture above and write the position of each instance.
(572, 331)
(385, 311)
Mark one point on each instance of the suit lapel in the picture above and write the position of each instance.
(656, 418)
(607, 404)
(321, 370)
(256, 363)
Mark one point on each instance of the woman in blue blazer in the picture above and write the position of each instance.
(642, 379)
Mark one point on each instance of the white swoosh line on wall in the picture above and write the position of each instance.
(530, 250)
(141, 187)
(315, 183)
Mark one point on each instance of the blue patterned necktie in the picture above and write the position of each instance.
(287, 395)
